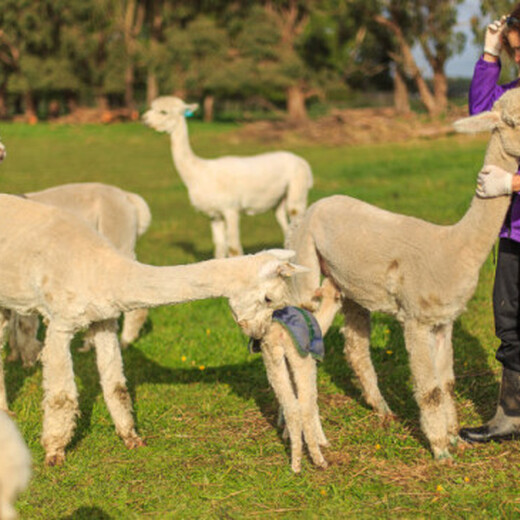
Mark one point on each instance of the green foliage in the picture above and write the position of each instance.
(203, 402)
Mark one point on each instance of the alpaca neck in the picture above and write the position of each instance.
(186, 162)
(151, 286)
(479, 228)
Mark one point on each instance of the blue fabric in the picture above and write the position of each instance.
(303, 329)
(483, 92)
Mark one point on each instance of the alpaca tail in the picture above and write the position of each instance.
(144, 215)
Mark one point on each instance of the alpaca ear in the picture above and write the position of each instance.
(282, 254)
(484, 122)
(289, 269)
(276, 268)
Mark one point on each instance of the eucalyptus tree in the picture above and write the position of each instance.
(431, 25)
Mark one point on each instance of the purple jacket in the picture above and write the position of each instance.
(483, 92)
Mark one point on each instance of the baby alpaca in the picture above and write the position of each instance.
(63, 269)
(421, 273)
(120, 216)
(222, 188)
(293, 379)
(15, 466)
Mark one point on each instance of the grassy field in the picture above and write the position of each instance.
(203, 402)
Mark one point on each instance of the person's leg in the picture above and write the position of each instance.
(506, 422)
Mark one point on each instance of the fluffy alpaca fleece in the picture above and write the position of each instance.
(121, 216)
(15, 466)
(63, 269)
(223, 188)
(293, 379)
(421, 273)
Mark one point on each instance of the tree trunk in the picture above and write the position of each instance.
(209, 105)
(152, 87)
(30, 107)
(296, 103)
(3, 100)
(401, 96)
(129, 84)
(408, 62)
(440, 89)
(102, 101)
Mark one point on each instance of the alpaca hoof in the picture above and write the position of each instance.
(442, 456)
(388, 418)
(296, 466)
(56, 459)
(322, 464)
(134, 442)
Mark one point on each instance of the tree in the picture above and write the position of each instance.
(431, 24)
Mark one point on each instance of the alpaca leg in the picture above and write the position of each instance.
(4, 324)
(305, 380)
(218, 233)
(446, 377)
(420, 343)
(132, 324)
(23, 338)
(357, 352)
(280, 380)
(113, 382)
(60, 401)
(281, 216)
(306, 375)
(232, 219)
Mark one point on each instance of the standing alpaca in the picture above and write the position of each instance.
(15, 466)
(62, 268)
(222, 188)
(421, 273)
(120, 216)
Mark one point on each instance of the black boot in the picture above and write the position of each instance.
(505, 425)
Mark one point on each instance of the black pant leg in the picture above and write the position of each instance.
(506, 303)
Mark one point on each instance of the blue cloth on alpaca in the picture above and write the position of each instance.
(304, 330)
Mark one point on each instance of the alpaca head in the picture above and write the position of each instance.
(166, 112)
(503, 118)
(263, 290)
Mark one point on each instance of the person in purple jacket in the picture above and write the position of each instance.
(503, 34)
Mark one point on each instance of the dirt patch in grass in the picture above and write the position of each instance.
(354, 126)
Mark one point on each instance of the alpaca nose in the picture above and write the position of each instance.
(3, 153)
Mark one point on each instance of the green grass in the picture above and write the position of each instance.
(203, 402)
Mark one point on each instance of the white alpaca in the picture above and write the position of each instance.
(120, 216)
(15, 466)
(421, 273)
(222, 188)
(62, 268)
(293, 379)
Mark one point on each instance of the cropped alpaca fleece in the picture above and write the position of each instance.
(483, 92)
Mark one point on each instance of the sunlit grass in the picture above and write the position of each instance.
(203, 402)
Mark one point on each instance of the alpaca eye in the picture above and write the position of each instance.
(267, 299)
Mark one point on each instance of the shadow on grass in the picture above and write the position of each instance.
(475, 379)
(88, 513)
(190, 249)
(248, 380)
